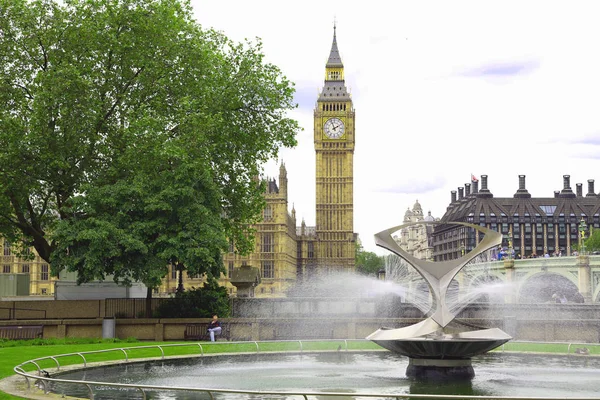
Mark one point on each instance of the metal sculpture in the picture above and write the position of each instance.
(432, 350)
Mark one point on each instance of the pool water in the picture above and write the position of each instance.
(496, 374)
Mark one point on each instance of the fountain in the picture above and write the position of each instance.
(435, 349)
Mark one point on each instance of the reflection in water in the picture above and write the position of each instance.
(341, 372)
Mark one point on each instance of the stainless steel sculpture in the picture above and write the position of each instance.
(433, 350)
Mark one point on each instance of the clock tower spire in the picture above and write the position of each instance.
(334, 146)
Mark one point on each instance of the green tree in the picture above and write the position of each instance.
(132, 136)
(592, 243)
(202, 302)
(368, 263)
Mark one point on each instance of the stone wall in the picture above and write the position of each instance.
(579, 330)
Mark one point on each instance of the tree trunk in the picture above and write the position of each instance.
(149, 302)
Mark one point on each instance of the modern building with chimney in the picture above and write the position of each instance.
(532, 226)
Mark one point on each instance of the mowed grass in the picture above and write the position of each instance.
(14, 353)
(559, 348)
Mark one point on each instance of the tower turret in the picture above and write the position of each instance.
(283, 181)
(334, 148)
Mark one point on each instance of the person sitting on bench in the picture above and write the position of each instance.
(214, 327)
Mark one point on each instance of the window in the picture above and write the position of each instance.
(268, 213)
(6, 269)
(230, 269)
(267, 269)
(173, 272)
(311, 250)
(6, 248)
(267, 243)
(548, 210)
(44, 273)
(25, 268)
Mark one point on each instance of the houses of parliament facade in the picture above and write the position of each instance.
(285, 252)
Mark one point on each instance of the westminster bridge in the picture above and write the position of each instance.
(535, 280)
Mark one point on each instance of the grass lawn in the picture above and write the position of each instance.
(560, 348)
(13, 353)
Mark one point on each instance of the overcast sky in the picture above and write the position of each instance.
(441, 89)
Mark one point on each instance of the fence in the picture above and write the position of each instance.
(129, 308)
(32, 371)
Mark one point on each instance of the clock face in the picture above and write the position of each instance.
(334, 128)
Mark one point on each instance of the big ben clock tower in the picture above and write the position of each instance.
(334, 147)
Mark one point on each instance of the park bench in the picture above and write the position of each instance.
(200, 332)
(18, 332)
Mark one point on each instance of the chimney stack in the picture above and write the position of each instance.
(579, 189)
(453, 197)
(460, 193)
(556, 193)
(475, 187)
(467, 189)
(484, 192)
(567, 192)
(590, 192)
(522, 192)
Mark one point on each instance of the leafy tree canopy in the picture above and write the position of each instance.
(132, 136)
(592, 243)
(202, 302)
(368, 263)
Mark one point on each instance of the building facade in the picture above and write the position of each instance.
(532, 227)
(287, 253)
(334, 139)
(32, 266)
(417, 240)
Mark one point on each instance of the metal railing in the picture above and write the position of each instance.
(45, 381)
(129, 308)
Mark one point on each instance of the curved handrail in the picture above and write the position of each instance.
(210, 391)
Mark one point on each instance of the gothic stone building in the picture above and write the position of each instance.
(285, 252)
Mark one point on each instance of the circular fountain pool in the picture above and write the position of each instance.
(378, 372)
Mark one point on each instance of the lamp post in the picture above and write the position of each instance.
(508, 238)
(582, 228)
(180, 288)
(462, 249)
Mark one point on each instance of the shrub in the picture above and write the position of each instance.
(201, 302)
